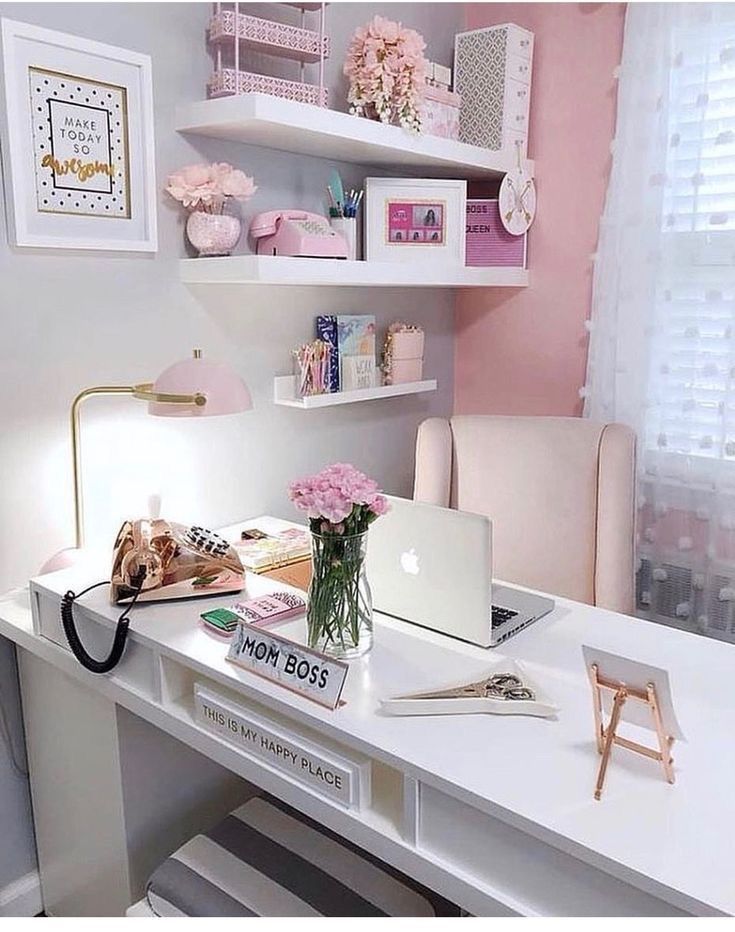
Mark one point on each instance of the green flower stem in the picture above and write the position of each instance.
(338, 607)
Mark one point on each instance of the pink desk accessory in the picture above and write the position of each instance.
(403, 354)
(270, 608)
(297, 233)
(441, 112)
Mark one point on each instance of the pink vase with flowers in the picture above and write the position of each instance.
(206, 191)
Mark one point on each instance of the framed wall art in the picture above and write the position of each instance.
(78, 147)
(415, 220)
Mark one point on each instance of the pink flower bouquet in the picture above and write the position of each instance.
(341, 503)
(208, 187)
(386, 69)
(339, 500)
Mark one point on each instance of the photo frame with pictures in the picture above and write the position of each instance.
(415, 219)
(78, 145)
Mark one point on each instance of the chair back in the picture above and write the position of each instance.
(559, 491)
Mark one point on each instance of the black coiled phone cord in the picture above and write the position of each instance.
(121, 631)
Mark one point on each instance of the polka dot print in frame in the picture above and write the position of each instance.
(80, 141)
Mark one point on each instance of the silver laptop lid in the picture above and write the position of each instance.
(432, 566)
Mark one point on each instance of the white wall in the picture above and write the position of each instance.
(74, 320)
(17, 846)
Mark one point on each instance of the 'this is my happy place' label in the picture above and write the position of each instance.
(340, 779)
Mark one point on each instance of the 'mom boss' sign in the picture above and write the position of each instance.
(289, 664)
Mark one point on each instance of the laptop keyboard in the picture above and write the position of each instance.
(501, 615)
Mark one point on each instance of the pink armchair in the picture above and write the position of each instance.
(560, 492)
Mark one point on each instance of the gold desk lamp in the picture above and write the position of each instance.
(190, 388)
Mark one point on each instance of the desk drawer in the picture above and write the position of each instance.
(138, 667)
(535, 878)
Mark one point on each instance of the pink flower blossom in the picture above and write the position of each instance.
(207, 187)
(340, 495)
(379, 505)
(386, 68)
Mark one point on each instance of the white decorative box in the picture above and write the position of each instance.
(492, 73)
(441, 112)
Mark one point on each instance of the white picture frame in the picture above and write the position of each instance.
(77, 142)
(415, 220)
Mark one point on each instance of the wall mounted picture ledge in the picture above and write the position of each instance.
(78, 147)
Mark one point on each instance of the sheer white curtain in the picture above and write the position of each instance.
(662, 329)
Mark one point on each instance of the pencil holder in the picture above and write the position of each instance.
(347, 226)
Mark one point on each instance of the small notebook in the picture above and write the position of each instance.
(268, 609)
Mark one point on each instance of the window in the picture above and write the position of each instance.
(691, 397)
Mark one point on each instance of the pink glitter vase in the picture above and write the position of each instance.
(213, 234)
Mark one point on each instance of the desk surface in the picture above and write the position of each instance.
(538, 775)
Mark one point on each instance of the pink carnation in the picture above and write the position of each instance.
(340, 495)
(379, 505)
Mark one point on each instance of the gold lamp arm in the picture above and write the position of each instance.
(143, 392)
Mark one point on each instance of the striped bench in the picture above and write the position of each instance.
(267, 859)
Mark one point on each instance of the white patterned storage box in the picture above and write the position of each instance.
(492, 73)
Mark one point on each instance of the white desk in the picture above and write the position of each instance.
(496, 813)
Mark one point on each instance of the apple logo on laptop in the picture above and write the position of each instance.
(410, 562)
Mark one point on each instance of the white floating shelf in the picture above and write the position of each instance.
(282, 270)
(284, 393)
(276, 123)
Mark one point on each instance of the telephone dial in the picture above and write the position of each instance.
(156, 560)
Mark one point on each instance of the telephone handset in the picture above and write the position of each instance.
(296, 233)
(157, 560)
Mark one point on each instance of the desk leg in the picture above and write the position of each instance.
(112, 795)
(76, 788)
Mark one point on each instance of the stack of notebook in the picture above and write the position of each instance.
(283, 555)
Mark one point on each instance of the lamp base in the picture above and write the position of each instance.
(62, 560)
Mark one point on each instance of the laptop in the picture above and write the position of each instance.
(433, 567)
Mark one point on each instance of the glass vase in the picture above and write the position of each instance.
(340, 612)
(213, 234)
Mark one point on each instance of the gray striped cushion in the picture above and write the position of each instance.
(266, 859)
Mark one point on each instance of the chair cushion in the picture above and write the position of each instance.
(266, 859)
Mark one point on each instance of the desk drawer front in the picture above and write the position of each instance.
(338, 775)
(535, 878)
(138, 667)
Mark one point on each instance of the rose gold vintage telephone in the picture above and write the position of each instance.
(156, 560)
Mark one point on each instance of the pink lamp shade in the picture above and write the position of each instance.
(225, 391)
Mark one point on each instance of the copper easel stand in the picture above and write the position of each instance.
(606, 737)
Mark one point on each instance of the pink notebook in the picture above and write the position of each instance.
(268, 609)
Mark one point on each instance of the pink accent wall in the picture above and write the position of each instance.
(525, 352)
